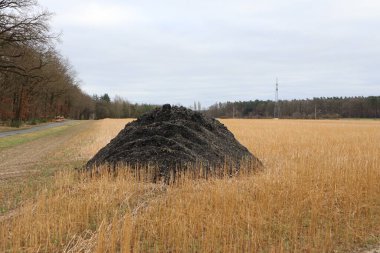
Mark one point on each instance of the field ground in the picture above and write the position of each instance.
(28, 160)
(319, 192)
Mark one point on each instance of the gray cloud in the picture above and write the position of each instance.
(180, 51)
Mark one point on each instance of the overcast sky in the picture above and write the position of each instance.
(181, 51)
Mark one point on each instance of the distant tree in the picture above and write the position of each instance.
(103, 106)
(105, 98)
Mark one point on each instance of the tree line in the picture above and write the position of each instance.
(320, 108)
(118, 107)
(36, 82)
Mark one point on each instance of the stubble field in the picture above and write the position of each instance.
(319, 192)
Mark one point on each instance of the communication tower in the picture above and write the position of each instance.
(276, 113)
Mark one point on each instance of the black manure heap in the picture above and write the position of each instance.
(172, 138)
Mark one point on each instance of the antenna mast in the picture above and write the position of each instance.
(276, 113)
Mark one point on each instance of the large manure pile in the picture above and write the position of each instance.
(174, 138)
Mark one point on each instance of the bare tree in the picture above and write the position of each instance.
(32, 63)
(22, 25)
(35, 80)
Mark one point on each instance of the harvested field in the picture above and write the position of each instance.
(22, 160)
(319, 193)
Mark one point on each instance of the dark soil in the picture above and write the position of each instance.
(175, 138)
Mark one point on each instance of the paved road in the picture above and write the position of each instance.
(34, 129)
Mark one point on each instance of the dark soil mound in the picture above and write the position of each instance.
(174, 138)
